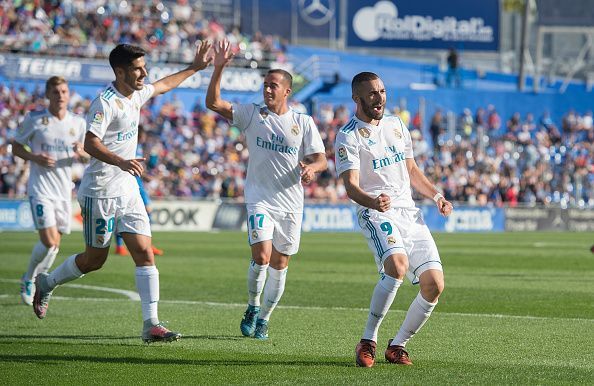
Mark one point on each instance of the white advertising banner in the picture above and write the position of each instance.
(170, 215)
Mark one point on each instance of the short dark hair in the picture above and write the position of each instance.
(53, 82)
(360, 78)
(124, 54)
(285, 74)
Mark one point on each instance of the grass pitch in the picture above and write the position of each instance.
(518, 308)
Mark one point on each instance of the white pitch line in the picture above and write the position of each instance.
(131, 295)
(317, 308)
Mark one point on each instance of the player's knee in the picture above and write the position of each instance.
(396, 266)
(432, 289)
(49, 243)
(261, 258)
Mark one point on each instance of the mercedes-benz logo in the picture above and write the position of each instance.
(317, 12)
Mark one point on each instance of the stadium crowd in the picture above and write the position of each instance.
(168, 30)
(191, 152)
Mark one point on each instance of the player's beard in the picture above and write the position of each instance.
(370, 111)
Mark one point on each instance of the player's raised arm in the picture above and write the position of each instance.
(201, 61)
(419, 181)
(222, 57)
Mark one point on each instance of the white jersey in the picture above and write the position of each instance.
(113, 118)
(379, 153)
(45, 133)
(276, 144)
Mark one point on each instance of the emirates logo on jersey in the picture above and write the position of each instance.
(364, 132)
(295, 130)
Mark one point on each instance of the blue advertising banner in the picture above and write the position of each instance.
(462, 24)
(15, 215)
(465, 219)
(99, 72)
(329, 218)
(343, 218)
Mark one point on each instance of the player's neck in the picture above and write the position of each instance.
(57, 112)
(364, 118)
(278, 109)
(123, 88)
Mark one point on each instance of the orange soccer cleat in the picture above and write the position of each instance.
(397, 355)
(365, 353)
(121, 251)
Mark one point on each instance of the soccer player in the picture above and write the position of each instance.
(285, 150)
(108, 195)
(374, 158)
(53, 137)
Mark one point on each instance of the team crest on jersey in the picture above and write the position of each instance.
(397, 132)
(364, 132)
(263, 113)
(391, 240)
(98, 117)
(45, 121)
(72, 132)
(254, 234)
(295, 129)
(119, 104)
(342, 153)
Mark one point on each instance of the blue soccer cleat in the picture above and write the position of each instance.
(248, 323)
(261, 329)
(27, 291)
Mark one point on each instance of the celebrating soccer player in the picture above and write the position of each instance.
(109, 195)
(54, 137)
(285, 150)
(374, 158)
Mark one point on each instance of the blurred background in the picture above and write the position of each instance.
(497, 95)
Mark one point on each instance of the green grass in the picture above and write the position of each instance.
(518, 309)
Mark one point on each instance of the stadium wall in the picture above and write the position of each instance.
(204, 216)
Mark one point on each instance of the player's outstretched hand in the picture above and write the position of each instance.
(203, 56)
(382, 203)
(223, 54)
(132, 166)
(44, 160)
(307, 173)
(444, 206)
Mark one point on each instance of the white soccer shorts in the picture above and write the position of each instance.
(49, 212)
(102, 217)
(400, 230)
(283, 228)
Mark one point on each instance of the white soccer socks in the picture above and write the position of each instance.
(418, 313)
(41, 260)
(256, 279)
(65, 272)
(383, 296)
(147, 283)
(273, 290)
